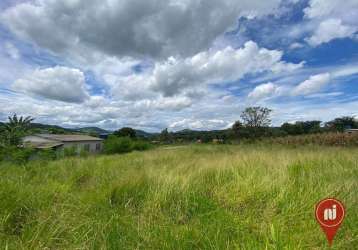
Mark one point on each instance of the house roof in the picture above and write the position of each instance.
(69, 138)
(43, 145)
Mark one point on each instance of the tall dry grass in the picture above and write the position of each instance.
(326, 139)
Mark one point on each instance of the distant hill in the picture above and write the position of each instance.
(141, 133)
(93, 130)
(45, 128)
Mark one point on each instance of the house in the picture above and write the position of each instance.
(60, 142)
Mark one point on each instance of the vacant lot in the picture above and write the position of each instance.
(206, 197)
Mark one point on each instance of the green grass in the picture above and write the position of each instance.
(191, 197)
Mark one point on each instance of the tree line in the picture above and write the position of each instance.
(254, 123)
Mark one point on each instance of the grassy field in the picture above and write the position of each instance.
(191, 197)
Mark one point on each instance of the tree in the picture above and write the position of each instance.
(299, 128)
(256, 117)
(165, 135)
(237, 127)
(292, 129)
(256, 120)
(310, 127)
(342, 123)
(15, 129)
(125, 132)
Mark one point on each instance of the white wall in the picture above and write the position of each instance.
(81, 146)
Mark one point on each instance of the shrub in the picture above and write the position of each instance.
(84, 153)
(15, 154)
(45, 155)
(115, 145)
(327, 139)
(141, 145)
(70, 151)
(118, 145)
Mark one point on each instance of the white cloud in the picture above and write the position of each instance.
(312, 85)
(58, 83)
(155, 28)
(157, 61)
(332, 8)
(133, 87)
(166, 103)
(263, 90)
(198, 124)
(174, 75)
(328, 30)
(348, 70)
(334, 18)
(11, 50)
(296, 46)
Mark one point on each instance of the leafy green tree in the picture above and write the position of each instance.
(292, 129)
(256, 121)
(115, 145)
(256, 117)
(305, 127)
(342, 123)
(125, 132)
(15, 129)
(165, 135)
(237, 128)
(310, 127)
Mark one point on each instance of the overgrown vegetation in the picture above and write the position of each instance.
(118, 145)
(14, 130)
(254, 126)
(327, 139)
(191, 197)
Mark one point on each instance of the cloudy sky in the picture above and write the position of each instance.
(151, 64)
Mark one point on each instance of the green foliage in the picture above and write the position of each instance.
(83, 153)
(305, 127)
(14, 224)
(189, 197)
(55, 130)
(45, 155)
(15, 129)
(256, 121)
(256, 117)
(237, 128)
(327, 139)
(165, 136)
(115, 145)
(70, 151)
(125, 132)
(141, 145)
(15, 154)
(342, 123)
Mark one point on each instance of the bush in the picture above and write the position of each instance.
(46, 155)
(118, 145)
(115, 145)
(15, 154)
(70, 151)
(141, 145)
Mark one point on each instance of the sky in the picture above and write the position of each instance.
(177, 64)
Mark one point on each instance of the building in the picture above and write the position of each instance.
(60, 142)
